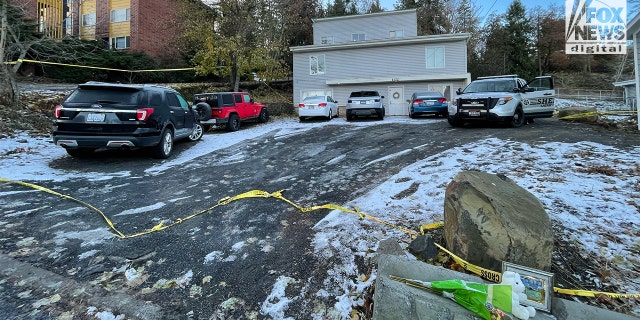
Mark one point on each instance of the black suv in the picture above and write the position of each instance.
(106, 115)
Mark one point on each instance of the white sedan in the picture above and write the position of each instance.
(318, 106)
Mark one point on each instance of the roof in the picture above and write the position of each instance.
(633, 26)
(382, 42)
(366, 15)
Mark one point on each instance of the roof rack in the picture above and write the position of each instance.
(503, 76)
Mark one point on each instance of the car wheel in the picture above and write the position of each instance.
(330, 115)
(264, 116)
(204, 111)
(301, 119)
(197, 132)
(80, 152)
(518, 119)
(164, 148)
(381, 114)
(454, 122)
(234, 123)
(349, 116)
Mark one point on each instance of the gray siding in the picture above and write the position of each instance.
(391, 64)
(375, 26)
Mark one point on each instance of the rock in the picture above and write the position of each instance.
(488, 219)
(423, 248)
(579, 114)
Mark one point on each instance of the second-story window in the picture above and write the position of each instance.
(326, 40)
(396, 34)
(316, 64)
(119, 15)
(89, 19)
(357, 37)
(434, 57)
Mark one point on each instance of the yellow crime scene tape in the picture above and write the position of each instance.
(98, 68)
(481, 272)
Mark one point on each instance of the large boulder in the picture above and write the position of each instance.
(579, 114)
(488, 219)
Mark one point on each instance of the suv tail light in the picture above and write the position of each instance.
(57, 111)
(442, 100)
(322, 104)
(143, 114)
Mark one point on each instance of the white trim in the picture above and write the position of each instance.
(434, 77)
(383, 42)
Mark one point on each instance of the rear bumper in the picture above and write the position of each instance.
(429, 109)
(215, 121)
(364, 111)
(76, 141)
(317, 112)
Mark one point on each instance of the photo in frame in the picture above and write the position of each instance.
(538, 285)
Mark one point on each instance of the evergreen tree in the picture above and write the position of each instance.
(519, 41)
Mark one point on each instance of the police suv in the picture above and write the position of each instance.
(507, 99)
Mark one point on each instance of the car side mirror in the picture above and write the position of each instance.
(459, 91)
(336, 101)
(381, 97)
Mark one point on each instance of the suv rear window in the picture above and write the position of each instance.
(103, 95)
(358, 94)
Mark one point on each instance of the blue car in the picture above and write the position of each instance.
(428, 103)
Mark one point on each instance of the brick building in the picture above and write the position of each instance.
(137, 25)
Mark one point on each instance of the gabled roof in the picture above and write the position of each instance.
(633, 26)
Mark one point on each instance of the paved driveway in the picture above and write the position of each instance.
(240, 260)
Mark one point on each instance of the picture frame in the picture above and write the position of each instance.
(538, 285)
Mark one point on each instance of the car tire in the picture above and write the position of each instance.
(164, 148)
(349, 116)
(264, 116)
(80, 152)
(204, 111)
(330, 115)
(454, 122)
(196, 134)
(381, 114)
(518, 119)
(234, 122)
(301, 119)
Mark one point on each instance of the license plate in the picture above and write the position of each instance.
(311, 107)
(95, 117)
(429, 103)
(474, 113)
(363, 102)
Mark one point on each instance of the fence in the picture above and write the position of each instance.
(591, 95)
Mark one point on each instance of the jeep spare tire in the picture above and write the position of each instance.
(204, 111)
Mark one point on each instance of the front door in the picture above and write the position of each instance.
(540, 100)
(396, 106)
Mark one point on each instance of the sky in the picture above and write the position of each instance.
(558, 177)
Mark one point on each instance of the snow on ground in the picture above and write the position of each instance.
(589, 188)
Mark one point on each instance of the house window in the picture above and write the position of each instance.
(120, 42)
(435, 57)
(357, 37)
(326, 40)
(89, 19)
(316, 64)
(396, 34)
(119, 15)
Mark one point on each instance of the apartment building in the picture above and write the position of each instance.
(138, 25)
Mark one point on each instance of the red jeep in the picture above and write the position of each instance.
(228, 109)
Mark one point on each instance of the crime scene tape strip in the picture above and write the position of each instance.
(221, 202)
(98, 68)
(482, 272)
(591, 114)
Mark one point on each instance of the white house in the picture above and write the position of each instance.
(378, 51)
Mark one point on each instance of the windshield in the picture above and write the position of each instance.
(490, 86)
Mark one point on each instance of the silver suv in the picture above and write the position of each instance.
(365, 103)
(507, 99)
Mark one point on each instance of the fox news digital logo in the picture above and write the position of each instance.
(596, 26)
